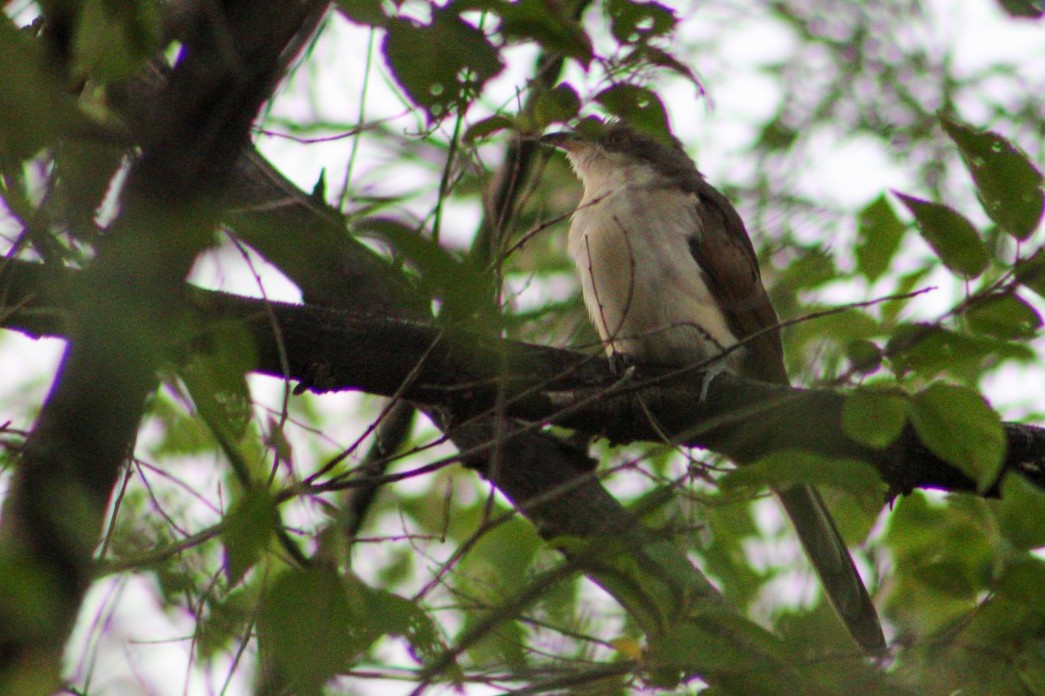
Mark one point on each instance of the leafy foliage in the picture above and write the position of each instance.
(241, 503)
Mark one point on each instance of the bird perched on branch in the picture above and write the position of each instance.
(669, 277)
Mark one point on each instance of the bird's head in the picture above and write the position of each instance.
(616, 151)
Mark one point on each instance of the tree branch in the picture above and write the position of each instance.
(129, 300)
(331, 350)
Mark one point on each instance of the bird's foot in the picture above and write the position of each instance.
(713, 370)
(620, 363)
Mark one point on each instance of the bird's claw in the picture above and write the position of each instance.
(713, 370)
(620, 363)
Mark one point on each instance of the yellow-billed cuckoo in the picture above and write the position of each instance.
(669, 277)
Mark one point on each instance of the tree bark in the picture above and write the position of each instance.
(128, 306)
(472, 376)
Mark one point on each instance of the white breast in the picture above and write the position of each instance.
(644, 291)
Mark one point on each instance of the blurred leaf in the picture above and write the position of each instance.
(958, 425)
(443, 65)
(723, 642)
(819, 632)
(114, 38)
(216, 380)
(927, 540)
(224, 620)
(864, 356)
(33, 103)
(368, 12)
(1023, 8)
(183, 432)
(905, 283)
(1024, 582)
(1007, 183)
(947, 578)
(545, 24)
(640, 107)
(776, 135)
(247, 530)
(1031, 272)
(784, 469)
(812, 268)
(498, 564)
(497, 567)
(1005, 316)
(557, 105)
(1021, 513)
(384, 613)
(845, 326)
(933, 350)
(503, 644)
(644, 53)
(632, 22)
(463, 288)
(950, 234)
(483, 128)
(1030, 665)
(307, 628)
(879, 234)
(874, 418)
(729, 527)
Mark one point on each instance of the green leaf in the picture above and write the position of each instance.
(484, 128)
(461, 286)
(1031, 9)
(557, 105)
(1007, 183)
(440, 66)
(115, 37)
(950, 234)
(33, 102)
(932, 350)
(879, 234)
(644, 53)
(1021, 513)
(719, 642)
(728, 525)
(633, 22)
(640, 107)
(1031, 272)
(498, 564)
(367, 12)
(390, 614)
(784, 469)
(1005, 316)
(1024, 582)
(864, 356)
(216, 380)
(548, 25)
(248, 528)
(958, 425)
(946, 577)
(812, 268)
(306, 626)
(874, 418)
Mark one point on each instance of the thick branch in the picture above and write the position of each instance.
(169, 208)
(334, 350)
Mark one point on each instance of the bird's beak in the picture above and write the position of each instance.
(564, 140)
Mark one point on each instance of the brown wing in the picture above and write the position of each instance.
(725, 254)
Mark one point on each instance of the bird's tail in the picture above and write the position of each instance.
(827, 550)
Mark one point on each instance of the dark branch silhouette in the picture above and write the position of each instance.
(331, 350)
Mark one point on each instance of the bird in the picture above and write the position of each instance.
(670, 277)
